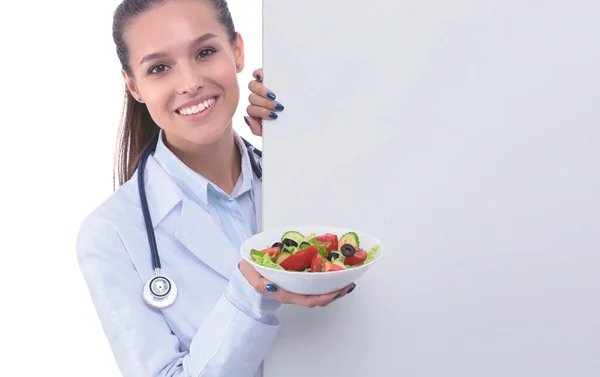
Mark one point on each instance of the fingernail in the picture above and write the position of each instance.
(351, 289)
(271, 95)
(272, 115)
(279, 107)
(246, 120)
(338, 296)
(271, 288)
(258, 77)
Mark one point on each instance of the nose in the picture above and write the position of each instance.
(190, 80)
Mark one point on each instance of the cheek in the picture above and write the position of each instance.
(225, 75)
(157, 99)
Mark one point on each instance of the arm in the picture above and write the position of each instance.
(228, 343)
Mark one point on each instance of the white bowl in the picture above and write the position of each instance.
(309, 283)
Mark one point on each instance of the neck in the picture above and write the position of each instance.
(219, 162)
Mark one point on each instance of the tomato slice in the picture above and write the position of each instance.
(300, 260)
(329, 241)
(357, 258)
(272, 251)
(320, 264)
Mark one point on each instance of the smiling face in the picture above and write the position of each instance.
(185, 69)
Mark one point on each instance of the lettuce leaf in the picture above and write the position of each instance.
(266, 261)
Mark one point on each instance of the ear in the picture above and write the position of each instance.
(238, 53)
(131, 87)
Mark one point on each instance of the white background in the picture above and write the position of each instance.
(466, 135)
(60, 106)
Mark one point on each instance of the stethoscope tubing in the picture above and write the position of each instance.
(145, 210)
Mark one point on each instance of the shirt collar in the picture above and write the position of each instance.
(195, 184)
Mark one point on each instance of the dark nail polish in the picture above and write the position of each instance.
(351, 289)
(271, 288)
(258, 77)
(272, 115)
(279, 107)
(337, 296)
(271, 95)
(246, 120)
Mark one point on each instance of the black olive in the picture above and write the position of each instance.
(289, 242)
(348, 250)
(304, 245)
(278, 244)
(333, 256)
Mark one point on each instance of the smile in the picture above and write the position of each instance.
(198, 108)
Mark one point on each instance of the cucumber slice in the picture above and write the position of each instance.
(291, 249)
(294, 236)
(309, 237)
(282, 256)
(351, 238)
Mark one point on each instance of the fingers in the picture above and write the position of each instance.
(254, 278)
(255, 125)
(265, 103)
(259, 88)
(258, 74)
(344, 292)
(308, 301)
(262, 112)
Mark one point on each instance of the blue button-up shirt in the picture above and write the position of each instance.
(235, 213)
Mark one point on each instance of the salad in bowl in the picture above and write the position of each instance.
(312, 259)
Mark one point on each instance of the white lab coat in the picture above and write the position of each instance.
(202, 334)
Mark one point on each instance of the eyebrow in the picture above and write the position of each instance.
(160, 55)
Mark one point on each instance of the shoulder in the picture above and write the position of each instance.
(101, 231)
(115, 209)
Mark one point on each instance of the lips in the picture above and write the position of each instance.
(196, 108)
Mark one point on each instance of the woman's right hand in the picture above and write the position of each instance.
(264, 286)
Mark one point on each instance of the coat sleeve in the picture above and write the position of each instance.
(229, 342)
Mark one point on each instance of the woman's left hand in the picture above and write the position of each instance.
(263, 104)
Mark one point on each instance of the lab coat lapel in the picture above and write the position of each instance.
(196, 229)
(200, 234)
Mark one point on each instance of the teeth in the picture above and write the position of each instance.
(197, 108)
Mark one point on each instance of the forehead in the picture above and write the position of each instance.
(171, 25)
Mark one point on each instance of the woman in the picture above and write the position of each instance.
(180, 61)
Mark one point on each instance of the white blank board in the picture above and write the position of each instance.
(466, 135)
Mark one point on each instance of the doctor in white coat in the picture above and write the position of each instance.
(180, 61)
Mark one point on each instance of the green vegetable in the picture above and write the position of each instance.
(322, 249)
(294, 236)
(256, 255)
(371, 254)
(266, 261)
(351, 238)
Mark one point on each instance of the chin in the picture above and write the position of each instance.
(206, 133)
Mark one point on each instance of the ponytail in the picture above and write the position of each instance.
(137, 131)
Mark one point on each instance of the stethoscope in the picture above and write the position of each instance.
(161, 291)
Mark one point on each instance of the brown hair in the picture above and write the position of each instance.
(138, 129)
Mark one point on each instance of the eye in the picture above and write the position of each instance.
(159, 68)
(205, 52)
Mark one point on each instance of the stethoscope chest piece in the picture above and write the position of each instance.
(160, 291)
